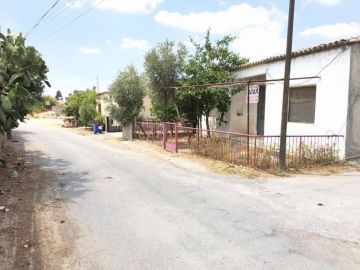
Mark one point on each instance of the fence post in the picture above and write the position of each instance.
(176, 137)
(198, 138)
(164, 134)
(255, 157)
(300, 146)
(248, 150)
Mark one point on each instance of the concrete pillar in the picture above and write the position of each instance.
(127, 132)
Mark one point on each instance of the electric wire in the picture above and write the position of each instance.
(316, 75)
(75, 19)
(61, 9)
(321, 70)
(42, 17)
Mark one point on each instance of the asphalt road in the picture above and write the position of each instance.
(135, 211)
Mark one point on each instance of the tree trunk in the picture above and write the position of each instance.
(143, 131)
(2, 141)
(177, 111)
(207, 124)
(9, 135)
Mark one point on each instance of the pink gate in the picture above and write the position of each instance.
(170, 138)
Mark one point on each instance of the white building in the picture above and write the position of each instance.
(326, 105)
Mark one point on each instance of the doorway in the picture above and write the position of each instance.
(260, 123)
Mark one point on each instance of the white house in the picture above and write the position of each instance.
(326, 105)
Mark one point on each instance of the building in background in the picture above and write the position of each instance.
(111, 125)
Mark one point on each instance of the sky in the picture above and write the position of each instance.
(112, 34)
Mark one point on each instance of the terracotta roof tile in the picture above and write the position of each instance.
(301, 52)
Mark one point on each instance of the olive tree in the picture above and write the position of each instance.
(127, 93)
(164, 67)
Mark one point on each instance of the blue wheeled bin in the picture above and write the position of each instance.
(96, 128)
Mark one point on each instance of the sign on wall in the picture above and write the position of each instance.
(253, 94)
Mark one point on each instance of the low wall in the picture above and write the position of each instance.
(127, 132)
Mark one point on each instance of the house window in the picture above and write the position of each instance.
(99, 108)
(302, 104)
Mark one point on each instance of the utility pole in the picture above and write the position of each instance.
(285, 105)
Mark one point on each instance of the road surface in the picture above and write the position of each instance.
(127, 210)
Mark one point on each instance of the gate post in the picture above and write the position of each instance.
(176, 137)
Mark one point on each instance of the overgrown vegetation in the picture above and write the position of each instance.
(22, 79)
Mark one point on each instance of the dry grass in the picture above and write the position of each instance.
(330, 169)
(221, 167)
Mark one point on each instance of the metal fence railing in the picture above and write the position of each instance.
(150, 131)
(242, 149)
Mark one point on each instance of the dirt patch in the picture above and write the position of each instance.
(20, 188)
(32, 219)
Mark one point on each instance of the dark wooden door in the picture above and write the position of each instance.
(261, 112)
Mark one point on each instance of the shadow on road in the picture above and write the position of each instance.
(57, 171)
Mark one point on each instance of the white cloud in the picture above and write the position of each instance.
(260, 42)
(221, 2)
(128, 6)
(108, 41)
(139, 44)
(260, 29)
(90, 50)
(75, 4)
(334, 31)
(324, 2)
(236, 18)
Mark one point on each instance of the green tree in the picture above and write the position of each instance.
(49, 100)
(211, 63)
(76, 103)
(87, 113)
(164, 67)
(127, 92)
(58, 95)
(22, 79)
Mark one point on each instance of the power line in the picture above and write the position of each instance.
(62, 8)
(314, 76)
(75, 19)
(322, 69)
(42, 17)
